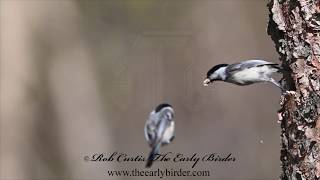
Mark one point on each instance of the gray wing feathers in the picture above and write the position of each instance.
(156, 126)
(248, 64)
(150, 128)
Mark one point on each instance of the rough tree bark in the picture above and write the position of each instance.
(294, 26)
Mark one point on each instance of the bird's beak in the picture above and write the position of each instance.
(206, 82)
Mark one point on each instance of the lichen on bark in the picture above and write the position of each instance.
(294, 26)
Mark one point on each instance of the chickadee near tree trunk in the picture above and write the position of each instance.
(244, 73)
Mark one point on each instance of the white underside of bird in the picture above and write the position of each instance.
(254, 74)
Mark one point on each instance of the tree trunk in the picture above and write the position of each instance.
(294, 26)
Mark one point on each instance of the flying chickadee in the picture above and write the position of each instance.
(159, 130)
(244, 73)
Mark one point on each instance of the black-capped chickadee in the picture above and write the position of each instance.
(244, 73)
(159, 130)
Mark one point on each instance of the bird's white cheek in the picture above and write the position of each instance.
(213, 76)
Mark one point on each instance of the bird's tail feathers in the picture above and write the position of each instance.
(152, 155)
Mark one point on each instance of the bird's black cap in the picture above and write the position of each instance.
(214, 68)
(160, 106)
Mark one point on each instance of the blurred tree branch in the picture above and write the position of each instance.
(294, 26)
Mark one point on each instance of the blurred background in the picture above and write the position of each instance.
(81, 77)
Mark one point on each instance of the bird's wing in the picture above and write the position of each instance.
(165, 117)
(156, 125)
(150, 128)
(247, 64)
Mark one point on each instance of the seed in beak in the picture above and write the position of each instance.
(206, 82)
